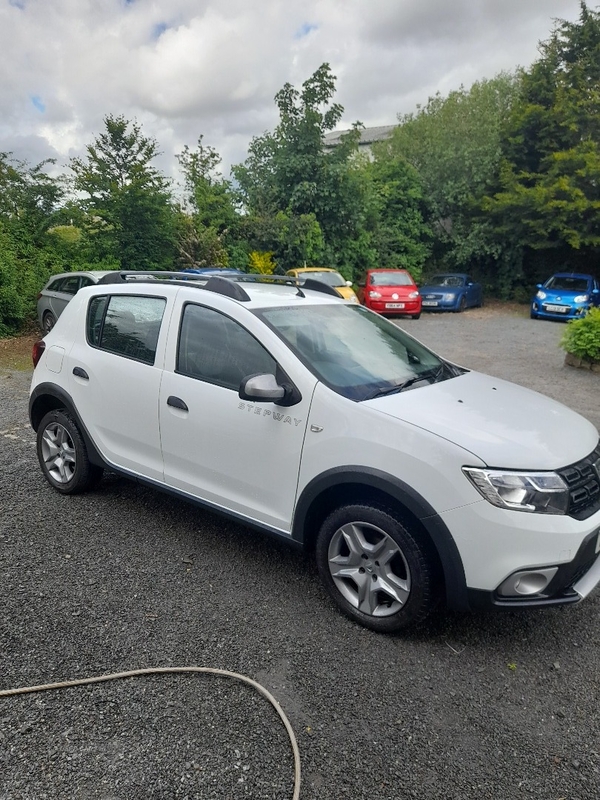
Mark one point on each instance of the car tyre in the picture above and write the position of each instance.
(63, 455)
(533, 315)
(461, 305)
(48, 322)
(416, 316)
(375, 569)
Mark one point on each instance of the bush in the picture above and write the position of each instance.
(582, 336)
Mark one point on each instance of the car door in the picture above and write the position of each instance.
(471, 291)
(114, 380)
(235, 454)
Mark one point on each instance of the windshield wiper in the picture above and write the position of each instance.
(432, 375)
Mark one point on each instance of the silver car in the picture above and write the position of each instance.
(55, 295)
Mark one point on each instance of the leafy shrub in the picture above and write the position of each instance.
(582, 336)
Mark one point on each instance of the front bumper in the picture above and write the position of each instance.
(572, 583)
(381, 306)
(495, 543)
(572, 311)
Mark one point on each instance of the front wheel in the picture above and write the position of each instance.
(461, 305)
(63, 455)
(416, 316)
(375, 569)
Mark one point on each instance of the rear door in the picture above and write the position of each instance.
(115, 373)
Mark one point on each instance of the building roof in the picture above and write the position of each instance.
(367, 135)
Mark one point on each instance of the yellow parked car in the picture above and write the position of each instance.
(326, 275)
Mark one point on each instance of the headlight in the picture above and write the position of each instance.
(374, 295)
(581, 298)
(540, 492)
(354, 299)
(412, 295)
(541, 295)
(448, 298)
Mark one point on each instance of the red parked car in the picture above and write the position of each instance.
(390, 291)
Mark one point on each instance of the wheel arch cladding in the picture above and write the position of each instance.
(352, 485)
(48, 397)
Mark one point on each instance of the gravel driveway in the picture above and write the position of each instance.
(498, 706)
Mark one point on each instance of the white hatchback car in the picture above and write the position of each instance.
(414, 480)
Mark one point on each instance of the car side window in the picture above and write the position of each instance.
(70, 285)
(216, 349)
(85, 281)
(127, 325)
(56, 286)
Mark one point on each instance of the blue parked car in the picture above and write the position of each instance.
(566, 295)
(209, 272)
(452, 291)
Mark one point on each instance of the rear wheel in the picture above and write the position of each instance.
(374, 568)
(63, 455)
(48, 321)
(416, 316)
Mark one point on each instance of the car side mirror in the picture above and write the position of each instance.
(361, 284)
(261, 388)
(595, 291)
(348, 283)
(538, 286)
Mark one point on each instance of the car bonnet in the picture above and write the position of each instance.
(503, 424)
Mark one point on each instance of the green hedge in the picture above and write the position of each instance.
(582, 336)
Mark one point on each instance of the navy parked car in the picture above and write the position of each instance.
(452, 291)
(566, 295)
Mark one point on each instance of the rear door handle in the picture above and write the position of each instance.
(81, 373)
(177, 402)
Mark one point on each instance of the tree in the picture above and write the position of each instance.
(210, 217)
(401, 235)
(454, 144)
(548, 193)
(289, 172)
(29, 253)
(130, 215)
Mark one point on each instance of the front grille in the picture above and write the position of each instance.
(583, 480)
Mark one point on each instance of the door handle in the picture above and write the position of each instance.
(79, 372)
(177, 402)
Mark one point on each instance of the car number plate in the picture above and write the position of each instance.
(395, 305)
(559, 309)
(430, 302)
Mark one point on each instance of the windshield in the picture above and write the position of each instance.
(446, 280)
(330, 278)
(356, 353)
(566, 283)
(390, 278)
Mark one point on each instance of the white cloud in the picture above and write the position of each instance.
(188, 67)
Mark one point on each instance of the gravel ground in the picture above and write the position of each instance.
(479, 706)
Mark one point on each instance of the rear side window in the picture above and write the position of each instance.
(127, 325)
(214, 348)
(70, 285)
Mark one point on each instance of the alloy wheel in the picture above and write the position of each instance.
(369, 569)
(58, 452)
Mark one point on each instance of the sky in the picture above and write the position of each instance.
(185, 68)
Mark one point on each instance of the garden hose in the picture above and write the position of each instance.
(169, 670)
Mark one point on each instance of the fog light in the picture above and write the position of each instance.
(527, 582)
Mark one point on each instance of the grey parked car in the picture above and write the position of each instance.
(55, 295)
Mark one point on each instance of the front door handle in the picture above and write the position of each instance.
(79, 372)
(177, 402)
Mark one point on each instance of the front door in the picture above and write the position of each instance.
(240, 456)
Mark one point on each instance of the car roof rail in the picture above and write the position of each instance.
(227, 285)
